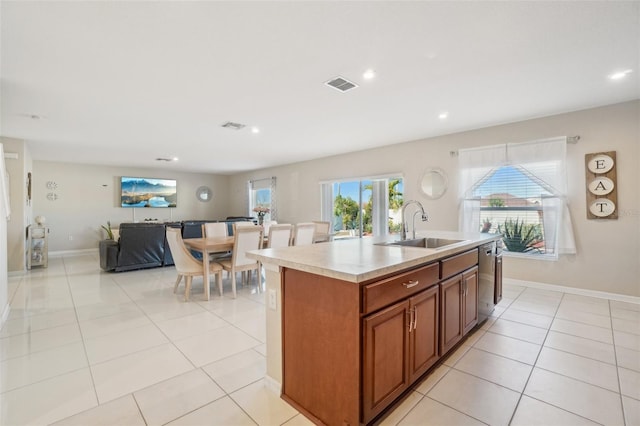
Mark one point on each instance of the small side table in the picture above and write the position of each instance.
(37, 246)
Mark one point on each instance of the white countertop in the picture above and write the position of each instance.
(359, 260)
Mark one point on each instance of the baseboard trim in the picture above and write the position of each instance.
(273, 385)
(79, 252)
(573, 290)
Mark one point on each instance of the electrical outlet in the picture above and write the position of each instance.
(273, 300)
(70, 237)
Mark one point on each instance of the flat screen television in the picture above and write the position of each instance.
(146, 192)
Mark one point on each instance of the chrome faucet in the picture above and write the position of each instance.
(425, 217)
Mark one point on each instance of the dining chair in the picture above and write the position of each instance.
(322, 231)
(188, 266)
(303, 234)
(267, 224)
(216, 229)
(242, 223)
(245, 238)
(279, 235)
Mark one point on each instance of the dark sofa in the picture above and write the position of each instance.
(144, 245)
(141, 245)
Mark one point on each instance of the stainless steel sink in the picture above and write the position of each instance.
(433, 243)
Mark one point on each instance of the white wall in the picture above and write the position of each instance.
(608, 250)
(4, 277)
(89, 196)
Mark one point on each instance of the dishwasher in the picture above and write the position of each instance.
(486, 280)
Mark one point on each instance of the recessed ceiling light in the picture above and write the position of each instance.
(369, 74)
(620, 74)
(255, 130)
(443, 115)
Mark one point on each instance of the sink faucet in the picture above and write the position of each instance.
(403, 234)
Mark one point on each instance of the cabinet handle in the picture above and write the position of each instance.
(411, 283)
(410, 315)
(415, 317)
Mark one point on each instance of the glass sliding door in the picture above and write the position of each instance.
(363, 207)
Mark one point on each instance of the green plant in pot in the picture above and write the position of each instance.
(109, 231)
(520, 237)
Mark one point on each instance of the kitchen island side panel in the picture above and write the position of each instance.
(321, 346)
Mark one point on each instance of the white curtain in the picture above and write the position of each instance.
(546, 160)
(326, 203)
(475, 165)
(380, 212)
(542, 160)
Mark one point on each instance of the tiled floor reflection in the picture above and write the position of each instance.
(83, 347)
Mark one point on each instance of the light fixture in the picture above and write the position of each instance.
(443, 115)
(369, 74)
(233, 125)
(168, 160)
(620, 74)
(255, 130)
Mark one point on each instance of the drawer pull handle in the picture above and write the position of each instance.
(411, 284)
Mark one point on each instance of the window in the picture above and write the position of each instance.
(362, 207)
(262, 193)
(519, 191)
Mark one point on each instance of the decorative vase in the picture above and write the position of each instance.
(260, 219)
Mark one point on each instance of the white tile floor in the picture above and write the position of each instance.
(82, 347)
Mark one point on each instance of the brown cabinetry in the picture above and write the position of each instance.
(423, 344)
(469, 299)
(459, 307)
(400, 344)
(385, 365)
(450, 313)
(349, 350)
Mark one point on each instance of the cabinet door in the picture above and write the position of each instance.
(385, 372)
(497, 295)
(470, 299)
(450, 313)
(423, 342)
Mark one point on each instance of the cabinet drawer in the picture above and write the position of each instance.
(458, 263)
(385, 292)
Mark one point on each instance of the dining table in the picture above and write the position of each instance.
(209, 246)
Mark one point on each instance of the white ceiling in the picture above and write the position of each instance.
(123, 83)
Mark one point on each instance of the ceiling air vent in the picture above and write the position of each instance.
(341, 84)
(233, 126)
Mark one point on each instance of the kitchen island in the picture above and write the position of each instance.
(352, 324)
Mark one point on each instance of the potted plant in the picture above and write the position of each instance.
(109, 231)
(486, 225)
(519, 236)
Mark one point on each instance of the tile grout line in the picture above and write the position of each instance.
(84, 346)
(615, 355)
(226, 394)
(452, 367)
(524, 388)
